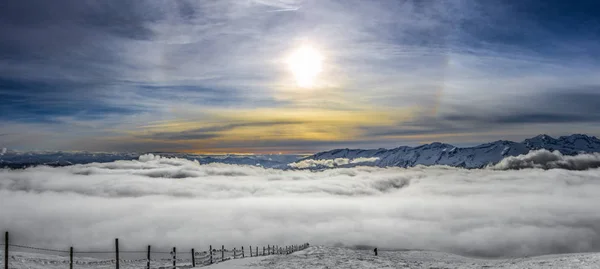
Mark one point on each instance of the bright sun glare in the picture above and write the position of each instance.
(305, 64)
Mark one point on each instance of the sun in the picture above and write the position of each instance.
(305, 63)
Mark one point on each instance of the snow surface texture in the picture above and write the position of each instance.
(471, 157)
(344, 258)
(328, 257)
(166, 202)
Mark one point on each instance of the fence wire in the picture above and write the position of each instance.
(202, 258)
(36, 248)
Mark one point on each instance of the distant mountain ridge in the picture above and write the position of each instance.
(428, 154)
(467, 157)
(18, 160)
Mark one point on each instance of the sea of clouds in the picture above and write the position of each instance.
(170, 202)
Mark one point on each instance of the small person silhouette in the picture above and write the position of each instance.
(375, 250)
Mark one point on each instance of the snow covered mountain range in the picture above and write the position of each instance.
(404, 156)
(445, 154)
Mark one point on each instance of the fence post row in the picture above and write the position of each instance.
(269, 250)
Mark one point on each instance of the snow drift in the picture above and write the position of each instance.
(169, 201)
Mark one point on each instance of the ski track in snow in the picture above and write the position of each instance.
(320, 257)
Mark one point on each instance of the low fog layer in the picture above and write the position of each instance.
(330, 163)
(174, 202)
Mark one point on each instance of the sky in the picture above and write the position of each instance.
(167, 202)
(294, 76)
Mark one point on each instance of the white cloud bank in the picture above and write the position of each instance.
(173, 202)
(330, 163)
(545, 159)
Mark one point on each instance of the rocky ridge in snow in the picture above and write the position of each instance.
(467, 157)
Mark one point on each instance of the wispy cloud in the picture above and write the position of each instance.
(456, 66)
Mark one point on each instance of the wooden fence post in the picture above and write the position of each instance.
(268, 249)
(148, 262)
(257, 251)
(243, 255)
(6, 250)
(234, 252)
(193, 259)
(117, 253)
(71, 258)
(210, 250)
(174, 258)
(222, 252)
(250, 251)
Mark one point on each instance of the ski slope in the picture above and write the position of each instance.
(337, 257)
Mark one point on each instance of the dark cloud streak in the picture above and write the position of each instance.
(211, 132)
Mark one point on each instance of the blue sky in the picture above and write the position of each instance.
(212, 76)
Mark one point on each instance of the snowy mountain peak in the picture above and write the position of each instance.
(539, 141)
(501, 142)
(573, 138)
(542, 137)
(435, 145)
